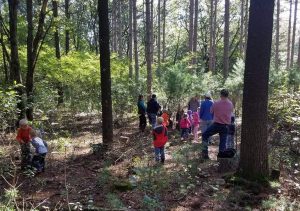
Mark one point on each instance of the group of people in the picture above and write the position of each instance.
(212, 117)
(28, 138)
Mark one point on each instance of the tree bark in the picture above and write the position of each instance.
(211, 31)
(14, 65)
(195, 36)
(67, 14)
(148, 47)
(158, 35)
(246, 26)
(277, 36)
(241, 44)
(226, 40)
(164, 32)
(119, 29)
(191, 25)
(130, 39)
(294, 34)
(298, 59)
(254, 151)
(288, 60)
(151, 31)
(106, 101)
(135, 42)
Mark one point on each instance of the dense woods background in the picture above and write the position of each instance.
(50, 64)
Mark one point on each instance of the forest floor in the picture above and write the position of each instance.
(78, 177)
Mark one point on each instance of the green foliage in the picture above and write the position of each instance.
(114, 201)
(8, 112)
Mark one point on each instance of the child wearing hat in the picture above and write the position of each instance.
(24, 138)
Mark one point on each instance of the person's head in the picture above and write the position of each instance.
(185, 115)
(141, 97)
(23, 123)
(159, 120)
(207, 96)
(224, 93)
(153, 96)
(197, 97)
(33, 133)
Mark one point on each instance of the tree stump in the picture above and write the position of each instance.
(227, 164)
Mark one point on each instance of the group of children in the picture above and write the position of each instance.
(28, 137)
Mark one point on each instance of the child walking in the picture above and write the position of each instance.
(24, 138)
(190, 115)
(185, 125)
(196, 123)
(160, 138)
(41, 149)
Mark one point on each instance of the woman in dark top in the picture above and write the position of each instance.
(142, 112)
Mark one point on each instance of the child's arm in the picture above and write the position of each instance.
(19, 138)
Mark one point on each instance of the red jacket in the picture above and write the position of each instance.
(24, 135)
(160, 134)
(185, 123)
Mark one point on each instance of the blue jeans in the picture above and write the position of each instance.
(215, 128)
(185, 132)
(204, 125)
(159, 154)
(152, 119)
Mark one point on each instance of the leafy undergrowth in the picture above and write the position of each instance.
(80, 177)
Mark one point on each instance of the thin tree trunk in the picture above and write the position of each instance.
(60, 91)
(226, 41)
(277, 36)
(288, 60)
(191, 25)
(254, 150)
(148, 47)
(298, 59)
(119, 29)
(164, 32)
(246, 26)
(151, 31)
(211, 31)
(294, 34)
(241, 44)
(214, 44)
(4, 57)
(195, 36)
(158, 34)
(130, 39)
(106, 101)
(135, 42)
(67, 42)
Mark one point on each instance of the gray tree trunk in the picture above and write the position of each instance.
(191, 25)
(294, 34)
(226, 41)
(130, 38)
(135, 42)
(288, 60)
(277, 36)
(148, 47)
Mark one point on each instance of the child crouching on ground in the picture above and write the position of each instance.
(185, 125)
(41, 149)
(160, 138)
(24, 138)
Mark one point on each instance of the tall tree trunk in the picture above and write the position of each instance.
(214, 40)
(294, 34)
(33, 45)
(277, 36)
(130, 39)
(241, 44)
(67, 14)
(211, 31)
(106, 101)
(254, 151)
(164, 32)
(135, 42)
(226, 41)
(14, 65)
(288, 60)
(60, 91)
(4, 56)
(148, 47)
(246, 26)
(195, 36)
(119, 29)
(191, 25)
(158, 34)
(151, 30)
(298, 59)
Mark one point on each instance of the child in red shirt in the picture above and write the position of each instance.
(160, 134)
(165, 116)
(24, 138)
(185, 125)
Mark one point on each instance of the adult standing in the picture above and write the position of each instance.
(194, 104)
(222, 110)
(152, 109)
(142, 113)
(205, 114)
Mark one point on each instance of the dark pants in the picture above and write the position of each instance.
(215, 128)
(152, 119)
(25, 155)
(159, 154)
(38, 162)
(185, 132)
(143, 122)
